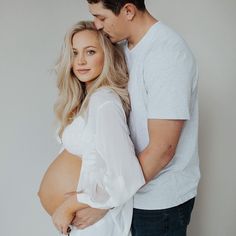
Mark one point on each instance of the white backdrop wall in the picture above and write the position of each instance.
(31, 33)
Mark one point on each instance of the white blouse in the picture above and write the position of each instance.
(110, 172)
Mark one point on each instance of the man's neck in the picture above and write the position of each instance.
(142, 23)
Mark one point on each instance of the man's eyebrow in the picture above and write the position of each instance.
(96, 15)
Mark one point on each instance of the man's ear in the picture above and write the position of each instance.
(129, 10)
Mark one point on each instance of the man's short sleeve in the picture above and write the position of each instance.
(169, 78)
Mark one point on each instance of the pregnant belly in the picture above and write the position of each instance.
(61, 177)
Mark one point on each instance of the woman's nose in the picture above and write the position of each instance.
(81, 60)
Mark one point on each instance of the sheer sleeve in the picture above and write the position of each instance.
(118, 176)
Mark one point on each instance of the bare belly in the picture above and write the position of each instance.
(61, 177)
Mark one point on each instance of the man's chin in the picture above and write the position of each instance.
(113, 40)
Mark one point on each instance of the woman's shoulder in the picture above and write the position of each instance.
(102, 96)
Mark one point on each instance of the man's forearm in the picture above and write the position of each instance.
(163, 139)
(153, 160)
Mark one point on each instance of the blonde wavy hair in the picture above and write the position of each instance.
(73, 98)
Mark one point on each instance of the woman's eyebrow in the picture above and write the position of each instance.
(90, 46)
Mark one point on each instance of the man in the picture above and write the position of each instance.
(163, 120)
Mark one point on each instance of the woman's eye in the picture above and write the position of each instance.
(91, 52)
(75, 53)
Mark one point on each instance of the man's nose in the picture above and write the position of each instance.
(98, 24)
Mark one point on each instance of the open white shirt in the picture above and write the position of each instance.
(110, 173)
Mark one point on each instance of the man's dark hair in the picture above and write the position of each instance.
(116, 5)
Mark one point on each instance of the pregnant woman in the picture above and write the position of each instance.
(97, 166)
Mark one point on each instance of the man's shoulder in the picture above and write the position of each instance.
(168, 40)
(168, 46)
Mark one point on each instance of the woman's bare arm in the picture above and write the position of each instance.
(64, 214)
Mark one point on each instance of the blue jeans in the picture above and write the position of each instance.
(167, 222)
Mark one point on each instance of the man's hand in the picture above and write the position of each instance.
(88, 216)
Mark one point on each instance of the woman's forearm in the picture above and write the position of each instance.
(64, 214)
(72, 205)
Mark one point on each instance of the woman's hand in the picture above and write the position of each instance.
(62, 217)
(64, 214)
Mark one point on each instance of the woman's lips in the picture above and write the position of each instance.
(83, 71)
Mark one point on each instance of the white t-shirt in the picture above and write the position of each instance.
(163, 85)
(102, 140)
